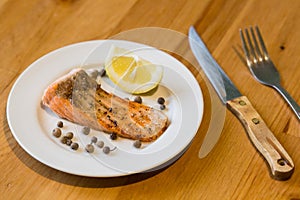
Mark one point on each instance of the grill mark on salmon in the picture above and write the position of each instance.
(78, 98)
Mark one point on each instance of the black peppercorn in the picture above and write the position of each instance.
(161, 100)
(102, 72)
(138, 99)
(60, 124)
(113, 136)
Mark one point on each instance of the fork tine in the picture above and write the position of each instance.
(261, 41)
(251, 45)
(245, 47)
(258, 52)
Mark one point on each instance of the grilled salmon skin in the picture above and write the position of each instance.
(78, 98)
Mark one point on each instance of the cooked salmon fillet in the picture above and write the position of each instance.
(78, 98)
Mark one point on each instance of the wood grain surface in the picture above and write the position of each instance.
(234, 169)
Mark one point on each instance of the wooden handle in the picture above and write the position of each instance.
(280, 163)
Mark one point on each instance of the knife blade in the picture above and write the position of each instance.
(280, 164)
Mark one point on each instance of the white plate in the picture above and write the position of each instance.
(32, 126)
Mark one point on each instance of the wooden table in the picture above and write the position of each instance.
(234, 169)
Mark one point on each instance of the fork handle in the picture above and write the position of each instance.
(280, 163)
(295, 107)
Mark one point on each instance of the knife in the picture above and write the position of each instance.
(279, 162)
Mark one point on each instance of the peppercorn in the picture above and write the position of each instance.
(86, 130)
(64, 140)
(138, 99)
(113, 136)
(161, 100)
(69, 135)
(69, 142)
(74, 146)
(137, 144)
(89, 148)
(94, 139)
(56, 132)
(60, 124)
(100, 144)
(107, 150)
(115, 123)
(102, 72)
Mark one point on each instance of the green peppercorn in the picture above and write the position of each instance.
(137, 144)
(89, 148)
(86, 130)
(106, 150)
(94, 139)
(100, 144)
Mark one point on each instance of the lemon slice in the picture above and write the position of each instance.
(130, 72)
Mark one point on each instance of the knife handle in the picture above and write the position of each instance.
(280, 163)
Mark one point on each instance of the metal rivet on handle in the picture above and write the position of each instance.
(242, 103)
(255, 120)
(281, 162)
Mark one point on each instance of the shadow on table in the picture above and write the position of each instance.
(70, 179)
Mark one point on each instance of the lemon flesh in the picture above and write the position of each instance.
(131, 73)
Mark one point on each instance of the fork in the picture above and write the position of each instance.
(262, 67)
